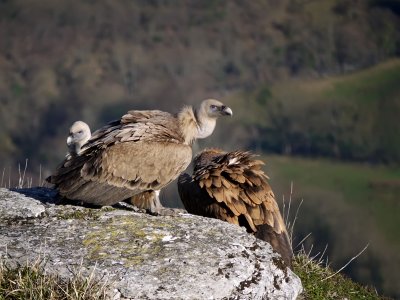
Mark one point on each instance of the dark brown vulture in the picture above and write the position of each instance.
(79, 134)
(140, 153)
(232, 187)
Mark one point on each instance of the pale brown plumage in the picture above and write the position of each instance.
(232, 187)
(142, 152)
(148, 200)
(79, 134)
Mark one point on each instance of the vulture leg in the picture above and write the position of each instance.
(147, 200)
(133, 158)
(157, 209)
(150, 201)
(154, 205)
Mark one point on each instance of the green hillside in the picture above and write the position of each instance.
(305, 78)
(63, 61)
(349, 117)
(345, 207)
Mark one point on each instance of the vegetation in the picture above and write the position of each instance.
(345, 207)
(313, 78)
(351, 117)
(95, 60)
(31, 282)
(321, 283)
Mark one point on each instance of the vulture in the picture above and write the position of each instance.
(232, 187)
(136, 156)
(79, 134)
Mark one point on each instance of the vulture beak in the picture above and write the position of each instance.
(69, 140)
(226, 111)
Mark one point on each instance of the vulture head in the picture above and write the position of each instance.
(79, 134)
(207, 116)
(134, 157)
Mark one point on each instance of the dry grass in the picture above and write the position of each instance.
(321, 282)
(23, 180)
(31, 282)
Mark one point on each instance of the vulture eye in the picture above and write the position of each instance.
(213, 107)
(80, 131)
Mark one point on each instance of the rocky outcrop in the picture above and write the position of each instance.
(141, 256)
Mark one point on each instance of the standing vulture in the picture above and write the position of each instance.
(232, 187)
(140, 153)
(79, 134)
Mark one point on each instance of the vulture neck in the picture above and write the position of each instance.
(195, 125)
(205, 124)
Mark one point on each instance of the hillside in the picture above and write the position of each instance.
(63, 61)
(305, 78)
(345, 117)
(345, 206)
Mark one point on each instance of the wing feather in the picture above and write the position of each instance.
(122, 155)
(233, 187)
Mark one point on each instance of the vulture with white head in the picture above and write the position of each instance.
(79, 134)
(140, 153)
(232, 187)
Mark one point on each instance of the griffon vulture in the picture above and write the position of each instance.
(232, 187)
(79, 134)
(140, 153)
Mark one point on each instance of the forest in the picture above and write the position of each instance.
(313, 84)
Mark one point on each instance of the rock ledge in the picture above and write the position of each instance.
(142, 256)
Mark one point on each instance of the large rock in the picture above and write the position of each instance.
(142, 256)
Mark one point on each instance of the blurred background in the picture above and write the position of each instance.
(314, 86)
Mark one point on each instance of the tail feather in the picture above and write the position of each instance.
(279, 241)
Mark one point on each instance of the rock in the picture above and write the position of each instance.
(142, 256)
(26, 208)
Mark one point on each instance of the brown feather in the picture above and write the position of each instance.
(143, 151)
(145, 200)
(232, 187)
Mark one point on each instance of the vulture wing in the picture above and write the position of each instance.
(232, 187)
(142, 151)
(198, 202)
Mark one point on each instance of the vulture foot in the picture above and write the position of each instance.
(128, 206)
(165, 212)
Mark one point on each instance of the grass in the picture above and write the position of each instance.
(369, 188)
(363, 86)
(31, 282)
(318, 279)
(369, 85)
(347, 206)
(320, 282)
(350, 117)
(362, 186)
(7, 178)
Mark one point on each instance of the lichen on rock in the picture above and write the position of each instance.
(142, 256)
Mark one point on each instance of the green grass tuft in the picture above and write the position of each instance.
(318, 282)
